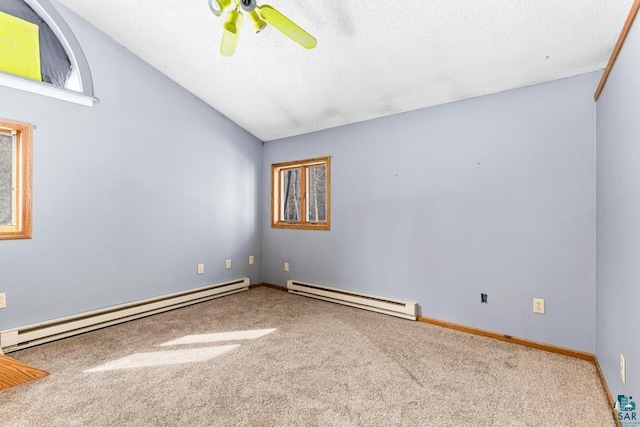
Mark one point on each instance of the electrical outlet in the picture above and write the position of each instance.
(286, 266)
(200, 268)
(538, 305)
(3, 300)
(623, 369)
(252, 260)
(484, 298)
(227, 264)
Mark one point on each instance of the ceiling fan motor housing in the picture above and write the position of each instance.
(248, 5)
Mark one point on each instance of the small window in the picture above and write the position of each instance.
(300, 194)
(39, 53)
(15, 180)
(28, 43)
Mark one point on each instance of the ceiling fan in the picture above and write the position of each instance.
(260, 16)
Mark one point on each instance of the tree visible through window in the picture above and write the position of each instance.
(6, 178)
(15, 180)
(300, 193)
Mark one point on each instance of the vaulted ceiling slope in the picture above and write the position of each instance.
(373, 58)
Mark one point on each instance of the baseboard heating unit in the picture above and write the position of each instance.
(406, 310)
(40, 333)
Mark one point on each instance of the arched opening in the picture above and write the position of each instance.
(46, 42)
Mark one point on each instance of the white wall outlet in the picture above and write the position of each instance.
(538, 305)
(200, 268)
(252, 260)
(623, 369)
(3, 300)
(227, 264)
(286, 266)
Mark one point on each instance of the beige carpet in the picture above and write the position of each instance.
(324, 364)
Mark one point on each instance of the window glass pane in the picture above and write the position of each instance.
(6, 179)
(290, 179)
(317, 193)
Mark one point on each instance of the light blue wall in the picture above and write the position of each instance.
(493, 194)
(130, 195)
(618, 220)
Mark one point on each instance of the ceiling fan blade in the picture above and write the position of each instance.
(287, 27)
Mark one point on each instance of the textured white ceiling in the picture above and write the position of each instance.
(374, 58)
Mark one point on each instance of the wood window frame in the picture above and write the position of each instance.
(22, 180)
(276, 196)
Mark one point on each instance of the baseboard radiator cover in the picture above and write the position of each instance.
(43, 332)
(393, 307)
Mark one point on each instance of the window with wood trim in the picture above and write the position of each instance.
(15, 180)
(300, 194)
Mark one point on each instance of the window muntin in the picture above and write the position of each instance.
(15, 180)
(301, 194)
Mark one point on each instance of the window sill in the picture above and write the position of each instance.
(46, 89)
(14, 235)
(296, 226)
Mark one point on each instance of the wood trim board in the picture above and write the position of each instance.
(607, 391)
(618, 47)
(13, 373)
(508, 338)
(269, 285)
